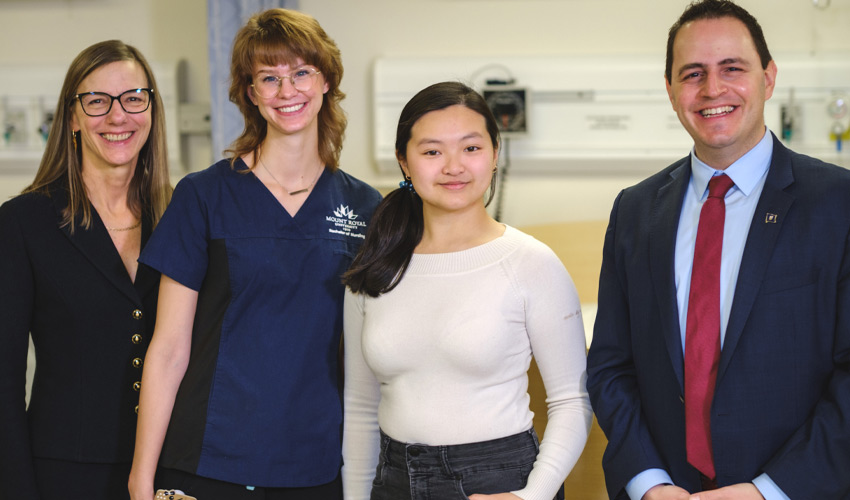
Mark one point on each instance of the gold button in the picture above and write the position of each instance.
(136, 338)
(137, 362)
(137, 314)
(137, 409)
(137, 385)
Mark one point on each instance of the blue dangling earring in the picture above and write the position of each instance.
(406, 184)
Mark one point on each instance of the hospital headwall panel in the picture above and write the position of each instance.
(611, 114)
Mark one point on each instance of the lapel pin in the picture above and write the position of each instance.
(770, 218)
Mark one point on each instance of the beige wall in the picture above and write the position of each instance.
(53, 31)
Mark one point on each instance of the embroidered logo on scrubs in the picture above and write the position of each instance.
(345, 212)
(344, 221)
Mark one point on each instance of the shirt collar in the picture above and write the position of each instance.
(746, 171)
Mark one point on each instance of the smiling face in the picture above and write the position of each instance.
(114, 139)
(290, 111)
(450, 159)
(718, 88)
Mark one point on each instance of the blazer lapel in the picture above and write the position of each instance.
(97, 246)
(662, 249)
(761, 240)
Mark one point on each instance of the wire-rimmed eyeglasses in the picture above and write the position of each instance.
(302, 79)
(100, 103)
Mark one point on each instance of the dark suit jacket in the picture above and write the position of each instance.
(90, 325)
(782, 401)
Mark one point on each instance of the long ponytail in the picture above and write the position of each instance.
(395, 230)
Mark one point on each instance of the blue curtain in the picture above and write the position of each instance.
(225, 17)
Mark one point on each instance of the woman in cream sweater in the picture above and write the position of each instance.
(444, 309)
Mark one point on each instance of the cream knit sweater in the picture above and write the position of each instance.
(443, 358)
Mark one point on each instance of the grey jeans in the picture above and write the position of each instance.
(419, 472)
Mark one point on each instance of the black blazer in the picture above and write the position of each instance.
(90, 325)
(782, 401)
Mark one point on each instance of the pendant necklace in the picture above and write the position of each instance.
(297, 191)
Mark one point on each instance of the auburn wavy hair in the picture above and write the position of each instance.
(281, 36)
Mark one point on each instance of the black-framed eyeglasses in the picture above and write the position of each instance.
(100, 103)
(302, 80)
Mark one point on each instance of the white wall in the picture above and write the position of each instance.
(166, 30)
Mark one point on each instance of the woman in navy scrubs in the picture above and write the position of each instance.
(240, 395)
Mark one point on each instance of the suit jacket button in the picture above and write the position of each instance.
(136, 338)
(137, 362)
(137, 314)
(137, 409)
(137, 385)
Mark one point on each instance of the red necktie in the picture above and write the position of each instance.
(702, 337)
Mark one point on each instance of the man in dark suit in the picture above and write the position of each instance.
(720, 361)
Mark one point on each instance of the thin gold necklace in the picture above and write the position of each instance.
(128, 228)
(297, 191)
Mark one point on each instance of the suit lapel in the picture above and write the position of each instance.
(761, 241)
(96, 245)
(662, 243)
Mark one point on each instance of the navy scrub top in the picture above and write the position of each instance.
(260, 403)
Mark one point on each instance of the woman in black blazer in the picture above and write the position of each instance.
(69, 278)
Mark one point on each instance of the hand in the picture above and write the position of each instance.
(666, 492)
(742, 491)
(497, 496)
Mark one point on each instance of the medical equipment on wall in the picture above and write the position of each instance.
(509, 105)
(790, 117)
(839, 110)
(607, 114)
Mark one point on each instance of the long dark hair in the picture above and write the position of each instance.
(397, 225)
(150, 188)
